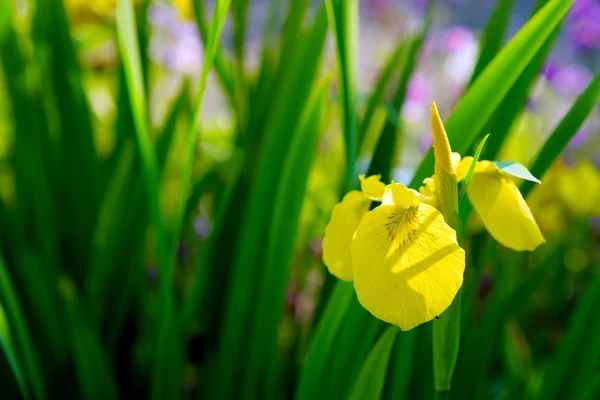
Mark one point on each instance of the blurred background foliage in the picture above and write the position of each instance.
(161, 225)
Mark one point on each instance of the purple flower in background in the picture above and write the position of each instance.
(583, 26)
(457, 38)
(175, 44)
(549, 70)
(580, 138)
(419, 88)
(568, 79)
(378, 6)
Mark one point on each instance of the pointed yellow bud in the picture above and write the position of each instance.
(441, 146)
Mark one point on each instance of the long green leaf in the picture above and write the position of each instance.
(493, 36)
(371, 380)
(574, 345)
(92, 366)
(377, 96)
(164, 383)
(261, 366)
(11, 371)
(313, 366)
(564, 132)
(289, 105)
(486, 93)
(20, 334)
(343, 18)
(383, 159)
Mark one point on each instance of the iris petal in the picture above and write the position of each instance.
(337, 241)
(372, 187)
(407, 264)
(502, 209)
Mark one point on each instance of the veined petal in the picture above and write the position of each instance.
(407, 264)
(337, 241)
(502, 209)
(372, 187)
(398, 194)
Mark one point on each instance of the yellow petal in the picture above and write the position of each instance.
(441, 146)
(407, 264)
(570, 185)
(398, 194)
(338, 234)
(462, 168)
(502, 209)
(372, 187)
(186, 8)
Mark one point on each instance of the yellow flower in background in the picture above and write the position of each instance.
(403, 255)
(500, 206)
(583, 176)
(102, 8)
(559, 201)
(185, 8)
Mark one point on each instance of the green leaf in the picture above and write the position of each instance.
(288, 106)
(516, 169)
(402, 363)
(564, 132)
(27, 355)
(92, 367)
(261, 362)
(10, 360)
(216, 27)
(508, 111)
(467, 179)
(383, 158)
(493, 36)
(343, 18)
(164, 383)
(376, 98)
(485, 95)
(313, 367)
(576, 359)
(371, 380)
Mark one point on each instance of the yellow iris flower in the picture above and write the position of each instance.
(500, 206)
(403, 255)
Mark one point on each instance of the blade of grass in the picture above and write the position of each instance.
(493, 36)
(579, 335)
(164, 383)
(370, 382)
(383, 158)
(564, 132)
(376, 97)
(289, 104)
(62, 85)
(343, 366)
(222, 64)
(92, 367)
(343, 18)
(501, 122)
(220, 13)
(20, 333)
(261, 362)
(487, 92)
(11, 371)
(401, 365)
(313, 367)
